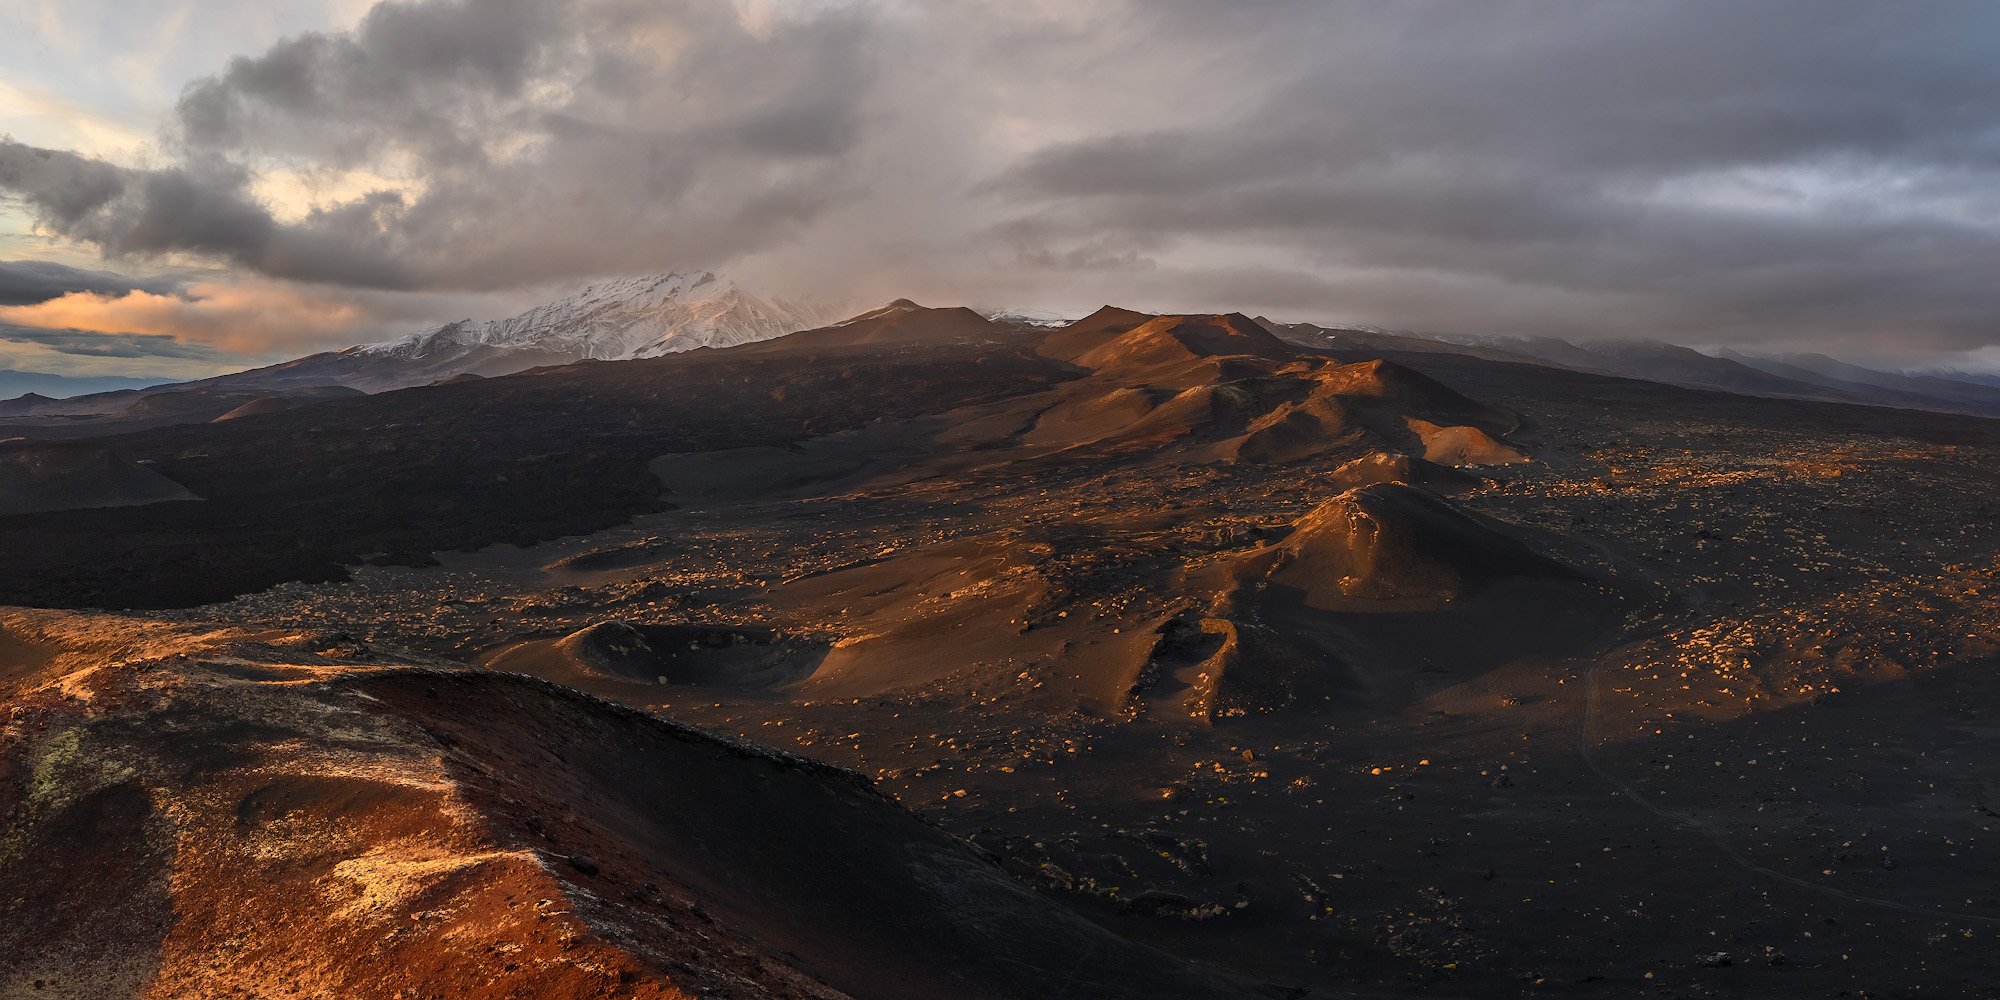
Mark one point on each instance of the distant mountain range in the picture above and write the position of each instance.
(15, 383)
(1787, 376)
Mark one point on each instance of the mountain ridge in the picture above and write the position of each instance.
(617, 319)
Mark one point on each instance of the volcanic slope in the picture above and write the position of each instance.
(1222, 387)
(201, 811)
(49, 476)
(1389, 541)
(130, 410)
(901, 322)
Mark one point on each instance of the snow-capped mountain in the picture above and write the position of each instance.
(613, 320)
(622, 319)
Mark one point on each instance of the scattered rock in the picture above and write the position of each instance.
(1161, 903)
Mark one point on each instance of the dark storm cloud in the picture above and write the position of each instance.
(426, 74)
(201, 209)
(83, 343)
(1701, 170)
(25, 282)
(1729, 171)
(544, 139)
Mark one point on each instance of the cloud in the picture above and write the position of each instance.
(1817, 172)
(237, 320)
(521, 141)
(24, 282)
(93, 344)
(1696, 171)
(66, 121)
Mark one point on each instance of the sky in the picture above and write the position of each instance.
(193, 186)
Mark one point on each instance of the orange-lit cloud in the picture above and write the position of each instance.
(246, 319)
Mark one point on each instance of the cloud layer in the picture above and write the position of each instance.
(1811, 172)
(96, 344)
(25, 282)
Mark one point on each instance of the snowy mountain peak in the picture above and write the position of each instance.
(618, 319)
(1028, 317)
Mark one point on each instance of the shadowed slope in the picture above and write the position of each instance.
(899, 322)
(1105, 324)
(1394, 542)
(51, 477)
